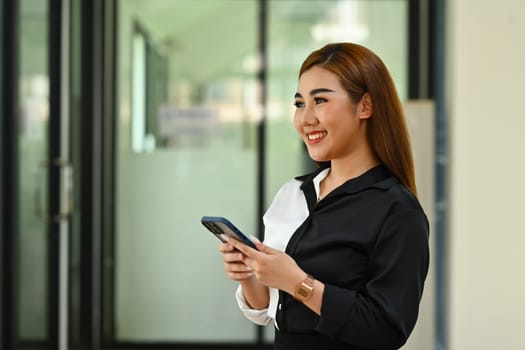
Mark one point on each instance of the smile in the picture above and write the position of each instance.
(315, 136)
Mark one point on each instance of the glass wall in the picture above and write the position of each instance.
(187, 116)
(33, 97)
(186, 148)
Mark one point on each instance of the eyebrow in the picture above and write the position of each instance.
(314, 92)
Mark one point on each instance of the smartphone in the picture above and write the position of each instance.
(219, 225)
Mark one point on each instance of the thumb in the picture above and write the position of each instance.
(262, 247)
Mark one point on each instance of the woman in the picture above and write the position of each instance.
(345, 254)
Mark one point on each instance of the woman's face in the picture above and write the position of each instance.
(330, 124)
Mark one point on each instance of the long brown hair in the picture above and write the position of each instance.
(359, 71)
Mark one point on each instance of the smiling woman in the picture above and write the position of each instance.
(358, 211)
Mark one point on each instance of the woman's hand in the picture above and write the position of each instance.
(234, 264)
(271, 267)
(255, 293)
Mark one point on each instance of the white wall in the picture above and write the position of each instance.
(421, 121)
(485, 109)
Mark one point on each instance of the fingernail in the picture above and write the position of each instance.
(255, 239)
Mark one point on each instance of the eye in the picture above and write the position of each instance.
(319, 100)
(298, 104)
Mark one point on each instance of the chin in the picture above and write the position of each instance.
(319, 159)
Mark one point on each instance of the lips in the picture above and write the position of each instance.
(316, 136)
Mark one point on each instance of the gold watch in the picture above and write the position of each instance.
(305, 289)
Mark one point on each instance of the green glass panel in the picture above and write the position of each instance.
(33, 97)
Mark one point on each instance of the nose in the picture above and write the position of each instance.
(309, 117)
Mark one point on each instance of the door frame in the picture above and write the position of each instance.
(97, 168)
(58, 160)
(9, 174)
(57, 267)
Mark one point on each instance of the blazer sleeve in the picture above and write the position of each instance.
(383, 314)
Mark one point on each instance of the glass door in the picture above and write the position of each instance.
(186, 147)
(43, 186)
(32, 238)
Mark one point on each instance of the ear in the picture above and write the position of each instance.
(364, 107)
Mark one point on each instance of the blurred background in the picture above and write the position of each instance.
(125, 121)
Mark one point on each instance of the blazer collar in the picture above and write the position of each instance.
(378, 177)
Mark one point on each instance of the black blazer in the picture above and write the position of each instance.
(367, 241)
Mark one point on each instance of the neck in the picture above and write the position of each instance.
(354, 166)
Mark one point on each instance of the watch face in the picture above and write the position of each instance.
(304, 290)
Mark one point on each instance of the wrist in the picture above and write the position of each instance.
(249, 281)
(304, 290)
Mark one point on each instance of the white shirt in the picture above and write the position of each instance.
(286, 213)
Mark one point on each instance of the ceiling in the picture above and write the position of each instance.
(209, 38)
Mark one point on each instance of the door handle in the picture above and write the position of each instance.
(66, 199)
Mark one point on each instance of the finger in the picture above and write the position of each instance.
(242, 247)
(237, 271)
(263, 247)
(249, 262)
(233, 257)
(225, 248)
(258, 244)
(237, 267)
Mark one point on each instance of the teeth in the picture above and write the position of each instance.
(316, 136)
